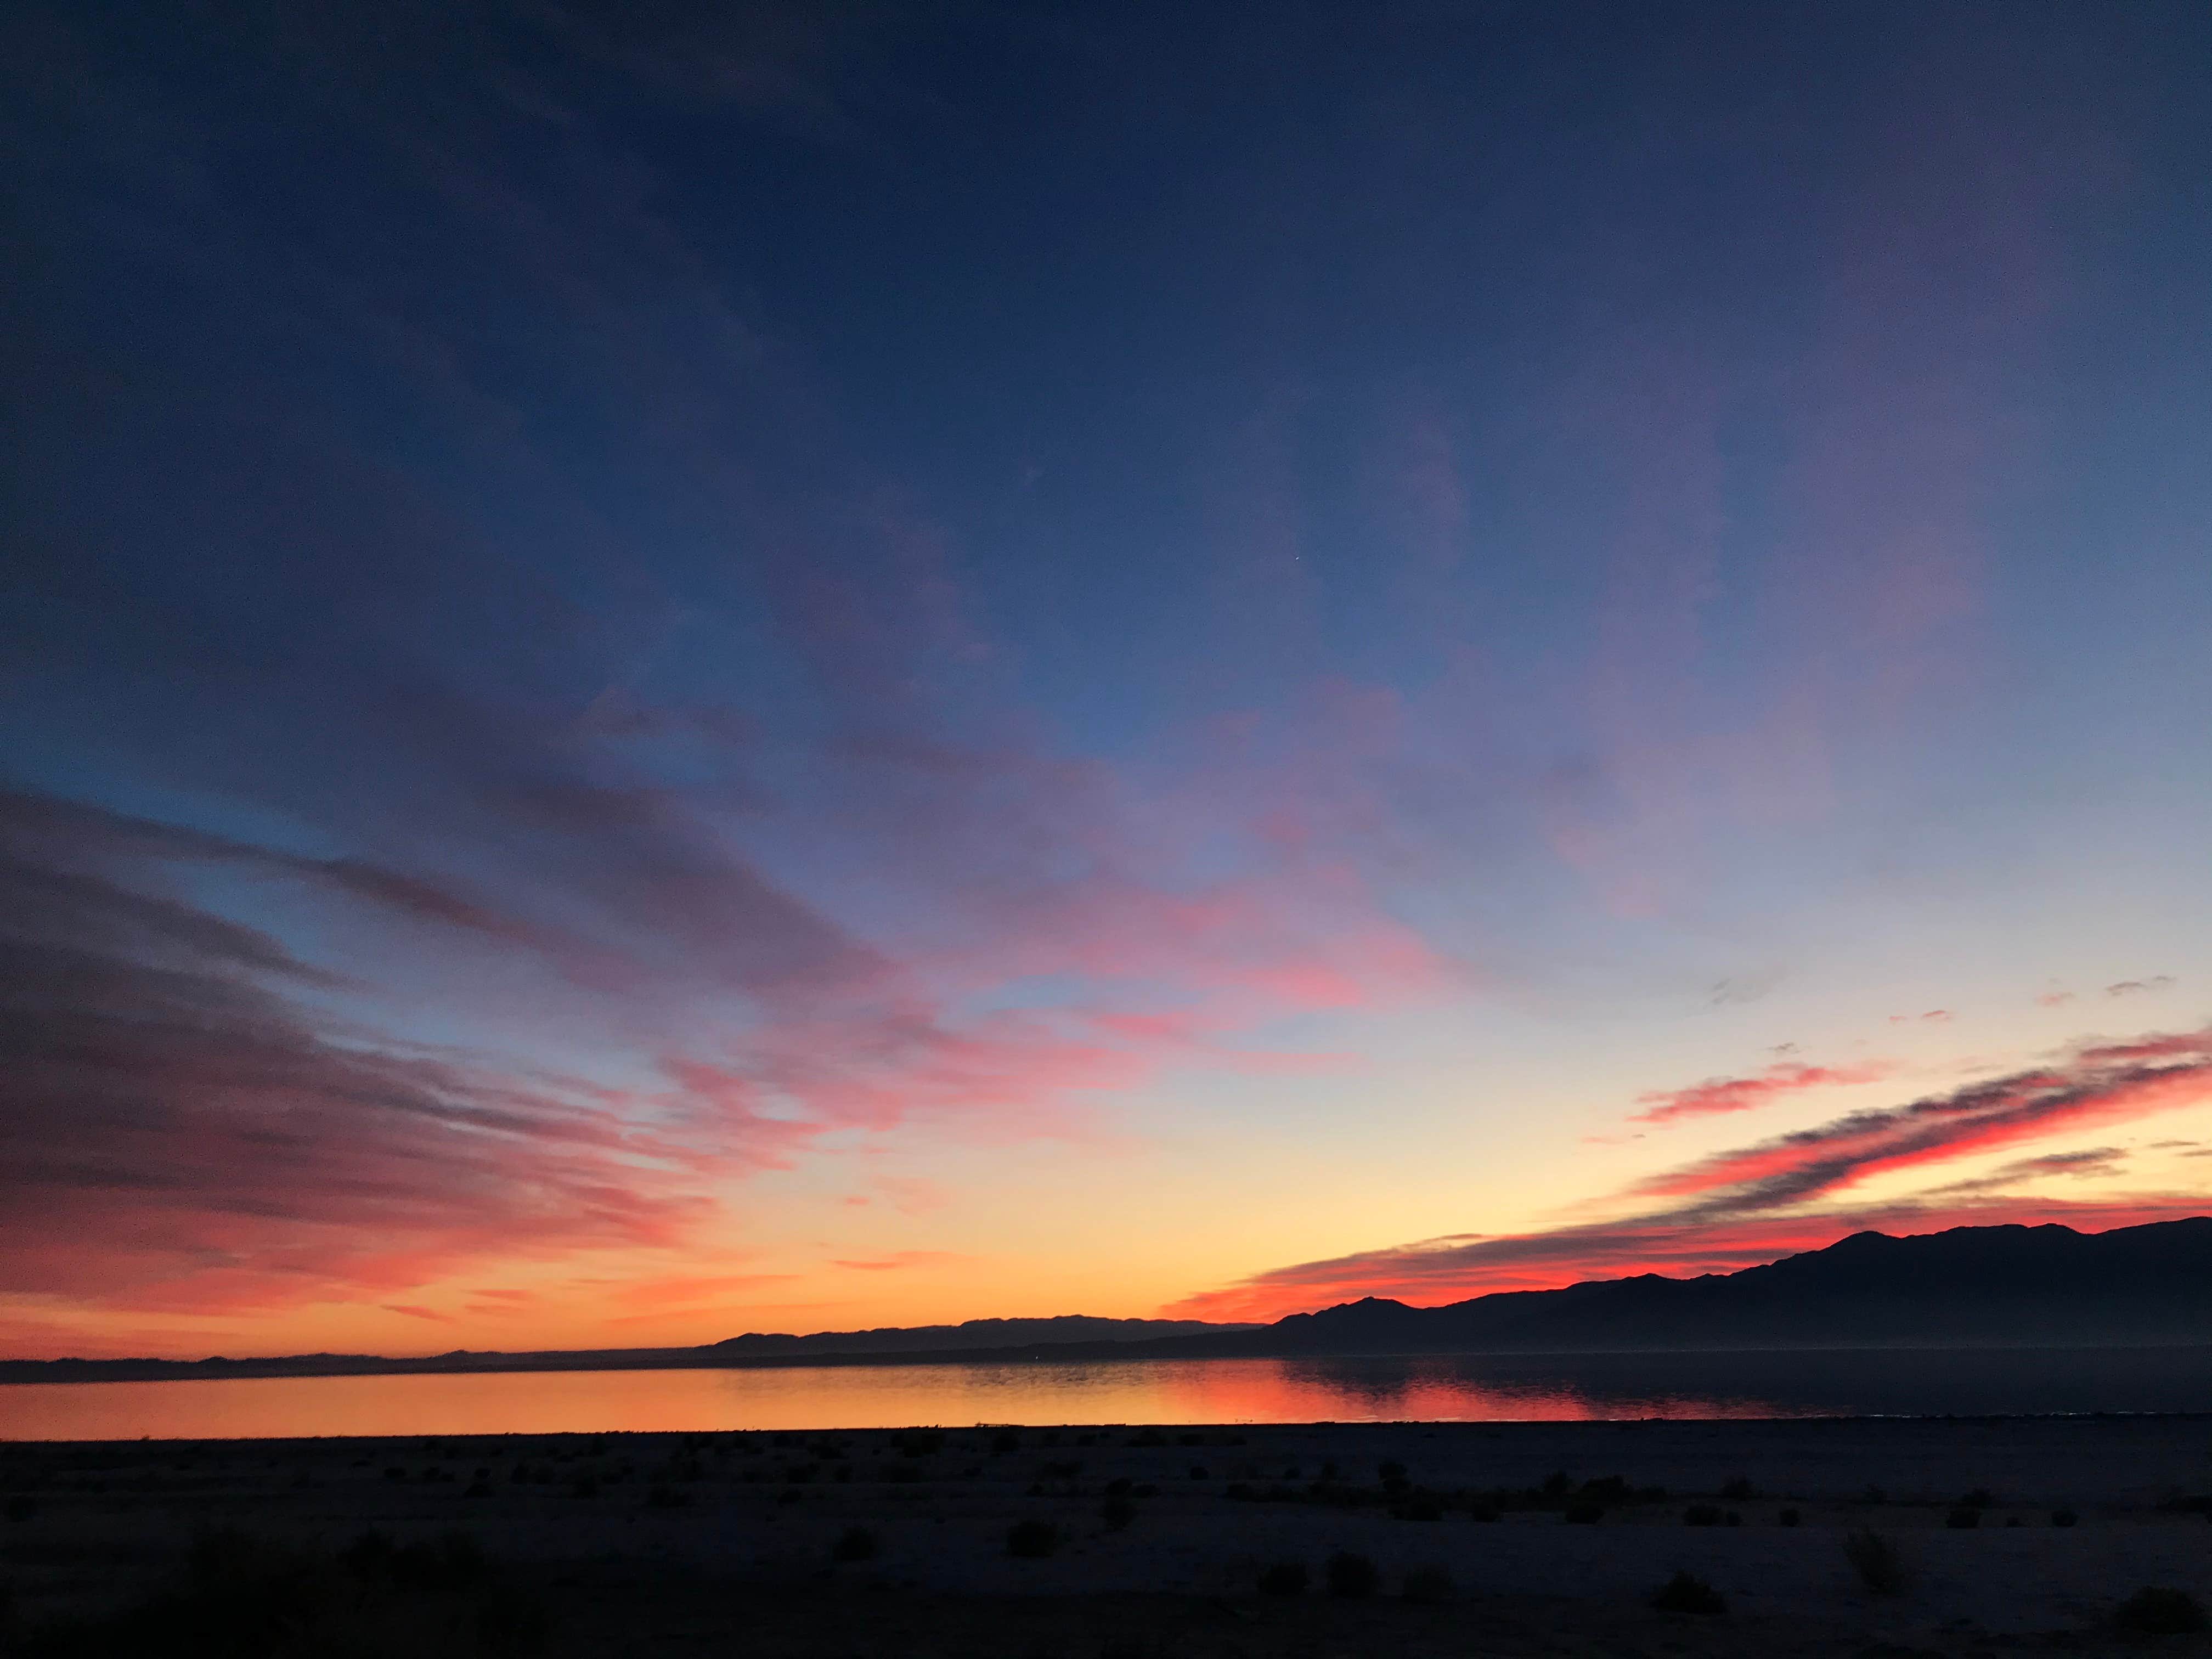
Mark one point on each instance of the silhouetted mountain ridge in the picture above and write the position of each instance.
(2002, 1285)
(972, 1333)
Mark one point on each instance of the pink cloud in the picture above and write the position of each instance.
(899, 1259)
(1718, 1095)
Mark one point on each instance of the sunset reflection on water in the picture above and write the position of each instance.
(856, 1397)
(1432, 1389)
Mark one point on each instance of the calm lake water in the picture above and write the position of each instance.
(1442, 1388)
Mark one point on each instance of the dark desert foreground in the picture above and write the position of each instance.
(1154, 1541)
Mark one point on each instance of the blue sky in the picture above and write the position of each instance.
(657, 651)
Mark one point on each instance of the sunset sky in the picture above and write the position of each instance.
(675, 669)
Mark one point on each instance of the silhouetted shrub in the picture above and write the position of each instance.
(22, 1507)
(1481, 1511)
(1585, 1515)
(855, 1544)
(1117, 1512)
(1420, 1507)
(451, 1563)
(2157, 1610)
(1876, 1560)
(1284, 1578)
(1556, 1484)
(2063, 1517)
(1688, 1593)
(240, 1596)
(1199, 1472)
(1004, 1442)
(509, 1624)
(1030, 1540)
(1393, 1475)
(1061, 1469)
(1148, 1438)
(1963, 1518)
(1788, 1518)
(918, 1442)
(1352, 1576)
(1702, 1515)
(1739, 1489)
(1430, 1585)
(1978, 1499)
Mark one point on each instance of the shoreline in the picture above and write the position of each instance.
(21, 1372)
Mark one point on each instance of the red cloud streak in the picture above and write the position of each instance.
(1717, 1095)
(1751, 1205)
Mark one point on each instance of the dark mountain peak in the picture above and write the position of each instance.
(2007, 1283)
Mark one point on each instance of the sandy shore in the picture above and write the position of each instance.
(670, 1522)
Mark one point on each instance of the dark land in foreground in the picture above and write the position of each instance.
(1865, 1538)
(1968, 1287)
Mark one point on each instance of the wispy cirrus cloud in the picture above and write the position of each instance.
(1717, 1096)
(2136, 988)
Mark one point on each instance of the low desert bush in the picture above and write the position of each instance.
(1284, 1578)
(1584, 1514)
(855, 1544)
(1876, 1560)
(241, 1594)
(2157, 1610)
(1030, 1540)
(1963, 1518)
(1688, 1593)
(1430, 1585)
(1702, 1515)
(1788, 1518)
(2063, 1517)
(1117, 1512)
(1351, 1577)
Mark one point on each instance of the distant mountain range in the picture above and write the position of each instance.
(1971, 1287)
(2008, 1286)
(971, 1334)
